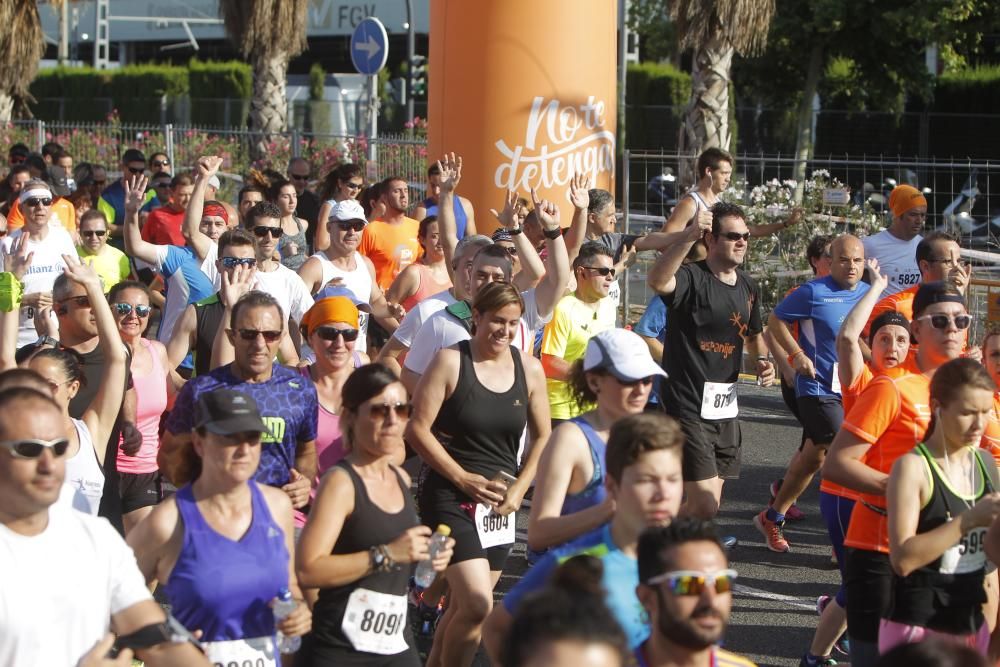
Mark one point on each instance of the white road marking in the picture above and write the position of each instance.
(790, 600)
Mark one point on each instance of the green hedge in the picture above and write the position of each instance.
(651, 85)
(230, 79)
(974, 90)
(137, 90)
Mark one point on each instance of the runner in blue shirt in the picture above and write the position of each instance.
(818, 307)
(643, 463)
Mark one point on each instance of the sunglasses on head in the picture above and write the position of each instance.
(735, 236)
(125, 309)
(251, 334)
(232, 262)
(93, 232)
(353, 225)
(692, 582)
(331, 334)
(32, 449)
(38, 201)
(263, 230)
(381, 410)
(603, 270)
(161, 163)
(941, 321)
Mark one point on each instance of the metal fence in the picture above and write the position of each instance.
(103, 143)
(959, 195)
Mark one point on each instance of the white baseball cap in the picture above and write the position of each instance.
(622, 353)
(214, 182)
(346, 210)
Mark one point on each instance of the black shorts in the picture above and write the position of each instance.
(868, 579)
(139, 490)
(440, 502)
(711, 448)
(821, 417)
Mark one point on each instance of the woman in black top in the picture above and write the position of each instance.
(363, 534)
(471, 409)
(941, 499)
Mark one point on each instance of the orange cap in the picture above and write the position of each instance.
(330, 309)
(903, 198)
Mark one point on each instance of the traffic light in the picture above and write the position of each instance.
(418, 76)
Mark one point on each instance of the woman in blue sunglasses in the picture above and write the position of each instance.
(155, 387)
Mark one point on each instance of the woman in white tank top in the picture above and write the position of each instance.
(61, 370)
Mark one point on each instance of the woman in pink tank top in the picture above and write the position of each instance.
(428, 275)
(140, 476)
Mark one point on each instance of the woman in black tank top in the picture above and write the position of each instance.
(937, 535)
(470, 411)
(363, 535)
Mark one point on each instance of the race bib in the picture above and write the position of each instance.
(969, 555)
(253, 652)
(374, 622)
(718, 401)
(494, 529)
(835, 384)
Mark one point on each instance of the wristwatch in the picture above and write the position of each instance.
(554, 233)
(514, 231)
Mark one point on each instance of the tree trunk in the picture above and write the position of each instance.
(706, 119)
(268, 107)
(804, 140)
(6, 107)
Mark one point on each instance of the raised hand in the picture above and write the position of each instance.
(579, 191)
(208, 165)
(879, 281)
(236, 284)
(80, 273)
(17, 260)
(510, 215)
(451, 172)
(547, 211)
(135, 193)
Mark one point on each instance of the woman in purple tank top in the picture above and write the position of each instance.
(222, 546)
(617, 372)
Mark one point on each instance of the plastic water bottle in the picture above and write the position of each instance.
(424, 575)
(283, 607)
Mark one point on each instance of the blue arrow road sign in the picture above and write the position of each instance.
(369, 46)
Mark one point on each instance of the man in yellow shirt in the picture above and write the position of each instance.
(110, 263)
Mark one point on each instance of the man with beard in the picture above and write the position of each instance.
(687, 591)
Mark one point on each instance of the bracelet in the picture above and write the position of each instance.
(552, 233)
(791, 357)
(514, 231)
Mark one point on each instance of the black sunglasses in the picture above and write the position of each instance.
(251, 334)
(125, 309)
(634, 383)
(83, 301)
(161, 163)
(232, 262)
(136, 170)
(331, 334)
(300, 177)
(354, 186)
(735, 236)
(353, 225)
(262, 230)
(603, 270)
(37, 201)
(381, 410)
(32, 449)
(93, 232)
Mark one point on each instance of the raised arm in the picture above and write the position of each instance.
(206, 167)
(579, 195)
(135, 245)
(182, 338)
(451, 174)
(101, 414)
(557, 273)
(232, 289)
(661, 277)
(509, 218)
(16, 261)
(849, 353)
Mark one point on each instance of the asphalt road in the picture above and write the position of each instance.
(774, 613)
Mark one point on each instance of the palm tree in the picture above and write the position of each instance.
(22, 45)
(269, 33)
(716, 29)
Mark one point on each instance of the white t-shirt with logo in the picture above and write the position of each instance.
(419, 314)
(442, 330)
(897, 259)
(46, 265)
(59, 589)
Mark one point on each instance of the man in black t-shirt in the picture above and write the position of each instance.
(713, 309)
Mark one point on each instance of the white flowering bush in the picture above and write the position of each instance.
(771, 256)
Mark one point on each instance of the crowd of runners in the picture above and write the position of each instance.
(307, 422)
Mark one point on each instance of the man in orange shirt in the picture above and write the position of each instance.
(889, 418)
(390, 241)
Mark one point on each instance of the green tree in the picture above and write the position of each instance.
(269, 33)
(22, 45)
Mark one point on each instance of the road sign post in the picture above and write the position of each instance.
(369, 50)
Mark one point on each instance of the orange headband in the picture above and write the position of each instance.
(330, 309)
(905, 197)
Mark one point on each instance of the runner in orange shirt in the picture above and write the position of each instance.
(991, 359)
(889, 418)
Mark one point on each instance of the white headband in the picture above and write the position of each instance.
(40, 193)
